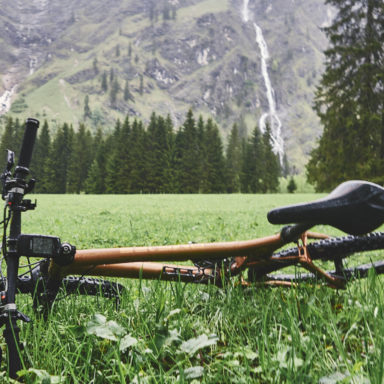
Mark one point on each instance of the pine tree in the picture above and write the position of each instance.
(285, 169)
(95, 181)
(350, 98)
(119, 164)
(291, 187)
(111, 169)
(58, 161)
(166, 13)
(252, 164)
(127, 94)
(115, 88)
(233, 161)
(158, 147)
(40, 159)
(95, 66)
(139, 176)
(187, 152)
(80, 160)
(11, 139)
(214, 182)
(271, 164)
(203, 149)
(104, 82)
(170, 179)
(18, 135)
(87, 109)
(7, 141)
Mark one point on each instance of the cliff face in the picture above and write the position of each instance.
(167, 56)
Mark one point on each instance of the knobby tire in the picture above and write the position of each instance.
(332, 249)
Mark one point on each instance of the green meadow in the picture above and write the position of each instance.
(166, 332)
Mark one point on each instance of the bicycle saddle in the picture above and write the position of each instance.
(355, 207)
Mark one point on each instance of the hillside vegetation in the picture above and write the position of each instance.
(165, 57)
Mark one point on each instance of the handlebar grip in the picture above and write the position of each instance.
(30, 133)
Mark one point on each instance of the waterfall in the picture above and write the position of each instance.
(271, 116)
(5, 100)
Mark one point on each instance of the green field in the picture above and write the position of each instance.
(170, 332)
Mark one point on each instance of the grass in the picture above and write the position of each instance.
(171, 332)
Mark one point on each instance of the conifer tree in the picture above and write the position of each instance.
(119, 162)
(291, 187)
(271, 164)
(187, 147)
(87, 109)
(233, 161)
(139, 176)
(95, 182)
(111, 169)
(127, 94)
(18, 135)
(203, 148)
(350, 98)
(285, 168)
(95, 66)
(252, 164)
(59, 157)
(40, 158)
(115, 88)
(156, 151)
(80, 160)
(214, 181)
(104, 82)
(7, 141)
(170, 179)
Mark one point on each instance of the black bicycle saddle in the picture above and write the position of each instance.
(355, 207)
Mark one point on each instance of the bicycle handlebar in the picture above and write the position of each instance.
(28, 143)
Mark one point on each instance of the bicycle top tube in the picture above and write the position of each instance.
(355, 207)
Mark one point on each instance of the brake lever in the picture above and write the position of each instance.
(10, 160)
(6, 175)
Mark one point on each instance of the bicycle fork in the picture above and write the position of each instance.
(9, 314)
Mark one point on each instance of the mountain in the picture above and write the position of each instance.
(166, 56)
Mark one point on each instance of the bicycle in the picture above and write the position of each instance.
(355, 207)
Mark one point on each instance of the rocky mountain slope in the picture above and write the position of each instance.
(165, 56)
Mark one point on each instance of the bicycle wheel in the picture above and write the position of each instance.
(333, 249)
(70, 285)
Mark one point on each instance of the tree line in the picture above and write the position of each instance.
(156, 158)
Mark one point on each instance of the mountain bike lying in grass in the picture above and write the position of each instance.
(355, 207)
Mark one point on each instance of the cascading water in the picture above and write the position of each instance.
(5, 100)
(271, 116)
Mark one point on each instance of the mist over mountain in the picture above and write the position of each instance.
(135, 57)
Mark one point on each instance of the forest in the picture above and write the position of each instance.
(156, 158)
